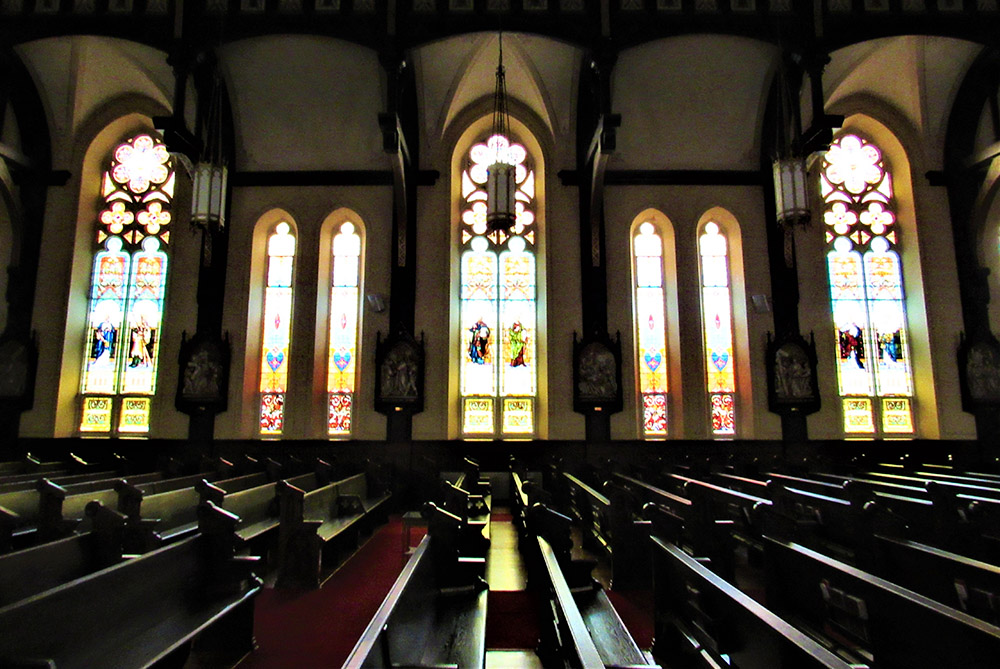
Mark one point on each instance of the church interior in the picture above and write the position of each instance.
(657, 260)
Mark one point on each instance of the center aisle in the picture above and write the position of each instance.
(512, 628)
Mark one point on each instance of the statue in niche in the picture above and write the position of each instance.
(597, 374)
(982, 370)
(202, 376)
(399, 372)
(792, 373)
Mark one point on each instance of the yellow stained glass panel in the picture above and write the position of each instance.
(518, 417)
(477, 415)
(96, 414)
(896, 415)
(134, 415)
(858, 415)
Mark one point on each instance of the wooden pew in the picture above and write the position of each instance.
(255, 503)
(61, 509)
(954, 580)
(893, 626)
(694, 527)
(581, 626)
(711, 623)
(231, 485)
(33, 570)
(591, 509)
(158, 518)
(519, 503)
(328, 516)
(474, 512)
(138, 612)
(26, 500)
(28, 483)
(423, 623)
(32, 469)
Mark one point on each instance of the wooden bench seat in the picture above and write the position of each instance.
(580, 624)
(138, 612)
(158, 518)
(255, 502)
(326, 518)
(422, 624)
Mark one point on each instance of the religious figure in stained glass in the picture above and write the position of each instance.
(866, 289)
(128, 288)
(479, 342)
(498, 310)
(516, 337)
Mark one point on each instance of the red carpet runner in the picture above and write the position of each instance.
(318, 628)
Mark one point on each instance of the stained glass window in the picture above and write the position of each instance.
(717, 324)
(498, 373)
(343, 346)
(127, 289)
(650, 325)
(866, 289)
(277, 329)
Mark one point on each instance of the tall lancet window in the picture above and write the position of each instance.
(277, 329)
(717, 322)
(127, 289)
(866, 289)
(651, 341)
(498, 374)
(343, 344)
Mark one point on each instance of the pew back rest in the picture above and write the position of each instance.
(33, 570)
(173, 509)
(724, 620)
(252, 504)
(356, 485)
(159, 601)
(901, 627)
(321, 503)
(176, 483)
(954, 580)
(239, 483)
(74, 506)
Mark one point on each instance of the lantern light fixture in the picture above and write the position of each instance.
(501, 183)
(208, 197)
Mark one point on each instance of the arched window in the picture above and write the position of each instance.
(650, 325)
(866, 289)
(345, 276)
(277, 328)
(717, 328)
(127, 289)
(498, 373)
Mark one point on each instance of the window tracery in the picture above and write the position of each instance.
(866, 289)
(498, 371)
(128, 288)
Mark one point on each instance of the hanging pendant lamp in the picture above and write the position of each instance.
(501, 183)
